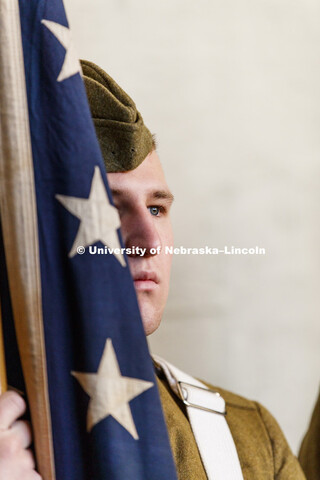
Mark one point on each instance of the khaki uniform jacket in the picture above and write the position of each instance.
(262, 449)
(309, 455)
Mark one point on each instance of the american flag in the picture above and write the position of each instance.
(86, 369)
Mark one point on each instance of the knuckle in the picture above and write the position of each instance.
(11, 401)
(16, 402)
(23, 427)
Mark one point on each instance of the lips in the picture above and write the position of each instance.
(145, 280)
(146, 276)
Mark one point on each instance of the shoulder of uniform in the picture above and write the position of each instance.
(232, 399)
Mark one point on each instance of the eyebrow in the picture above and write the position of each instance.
(163, 194)
(156, 194)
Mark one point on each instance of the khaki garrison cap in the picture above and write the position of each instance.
(124, 139)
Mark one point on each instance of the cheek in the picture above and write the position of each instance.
(167, 234)
(166, 261)
(167, 241)
(125, 227)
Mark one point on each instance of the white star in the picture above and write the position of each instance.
(99, 219)
(71, 64)
(110, 392)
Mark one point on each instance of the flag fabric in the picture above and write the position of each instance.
(81, 343)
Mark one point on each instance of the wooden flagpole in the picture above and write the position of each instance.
(20, 231)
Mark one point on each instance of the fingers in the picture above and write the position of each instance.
(16, 460)
(19, 466)
(21, 430)
(12, 406)
(15, 440)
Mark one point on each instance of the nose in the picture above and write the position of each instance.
(140, 230)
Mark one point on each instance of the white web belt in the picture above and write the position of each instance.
(206, 411)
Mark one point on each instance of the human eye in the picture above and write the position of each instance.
(156, 210)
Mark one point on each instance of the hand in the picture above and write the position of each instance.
(16, 460)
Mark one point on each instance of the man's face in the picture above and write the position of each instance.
(143, 200)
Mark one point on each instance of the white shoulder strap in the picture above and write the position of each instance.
(206, 411)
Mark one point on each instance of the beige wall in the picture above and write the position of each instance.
(232, 90)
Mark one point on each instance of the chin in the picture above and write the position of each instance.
(151, 317)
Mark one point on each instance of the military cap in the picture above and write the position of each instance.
(124, 139)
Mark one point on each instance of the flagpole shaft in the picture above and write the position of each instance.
(3, 374)
(20, 231)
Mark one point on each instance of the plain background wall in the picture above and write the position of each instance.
(231, 88)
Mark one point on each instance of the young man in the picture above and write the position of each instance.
(143, 199)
